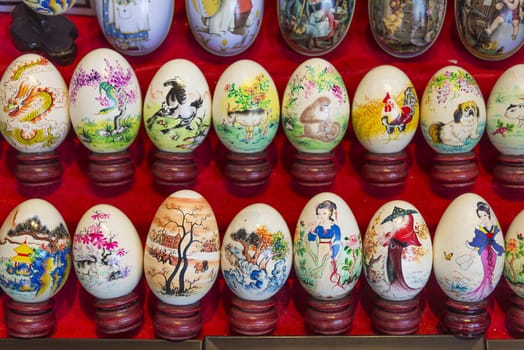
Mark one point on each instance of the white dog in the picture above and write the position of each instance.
(462, 127)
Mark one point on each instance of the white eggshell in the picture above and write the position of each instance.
(398, 253)
(181, 255)
(461, 249)
(315, 107)
(385, 112)
(227, 27)
(246, 107)
(256, 253)
(107, 252)
(35, 252)
(34, 113)
(452, 111)
(175, 125)
(327, 247)
(105, 101)
(505, 112)
(514, 259)
(135, 27)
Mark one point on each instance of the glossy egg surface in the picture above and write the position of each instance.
(50, 8)
(514, 255)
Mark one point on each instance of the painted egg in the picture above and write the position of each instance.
(505, 112)
(453, 111)
(181, 255)
(256, 253)
(107, 252)
(315, 107)
(406, 29)
(328, 247)
(135, 27)
(105, 101)
(490, 30)
(385, 112)
(246, 107)
(177, 107)
(468, 249)
(50, 8)
(225, 27)
(398, 253)
(34, 116)
(514, 255)
(35, 252)
(317, 29)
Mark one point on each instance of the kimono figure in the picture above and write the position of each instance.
(127, 22)
(224, 19)
(320, 23)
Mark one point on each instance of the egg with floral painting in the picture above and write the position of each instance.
(468, 249)
(315, 107)
(514, 255)
(35, 252)
(107, 252)
(398, 251)
(327, 247)
(256, 253)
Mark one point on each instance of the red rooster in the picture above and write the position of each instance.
(395, 116)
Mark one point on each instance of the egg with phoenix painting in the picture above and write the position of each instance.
(315, 107)
(105, 101)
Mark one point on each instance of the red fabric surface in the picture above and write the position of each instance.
(357, 54)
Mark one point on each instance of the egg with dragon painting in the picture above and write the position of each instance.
(105, 101)
(34, 113)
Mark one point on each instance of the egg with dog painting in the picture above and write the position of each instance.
(452, 111)
(246, 107)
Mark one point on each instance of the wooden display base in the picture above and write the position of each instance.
(174, 169)
(38, 169)
(247, 169)
(454, 172)
(329, 317)
(313, 172)
(120, 316)
(465, 320)
(396, 317)
(249, 317)
(177, 322)
(509, 172)
(515, 316)
(29, 320)
(385, 170)
(111, 169)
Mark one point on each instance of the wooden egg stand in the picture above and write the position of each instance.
(247, 170)
(118, 317)
(177, 322)
(329, 317)
(385, 170)
(509, 172)
(465, 319)
(38, 169)
(396, 317)
(113, 169)
(515, 315)
(29, 320)
(453, 173)
(313, 172)
(172, 169)
(250, 317)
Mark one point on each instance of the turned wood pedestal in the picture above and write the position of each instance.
(177, 170)
(396, 317)
(118, 317)
(509, 172)
(465, 319)
(313, 172)
(249, 317)
(515, 316)
(454, 173)
(30, 320)
(177, 322)
(385, 170)
(247, 170)
(38, 169)
(329, 317)
(110, 169)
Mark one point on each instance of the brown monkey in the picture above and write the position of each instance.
(316, 119)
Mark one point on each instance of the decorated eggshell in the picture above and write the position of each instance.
(35, 252)
(317, 30)
(327, 247)
(398, 253)
(225, 27)
(135, 27)
(489, 30)
(514, 255)
(505, 112)
(246, 107)
(34, 114)
(406, 29)
(181, 255)
(315, 107)
(256, 253)
(107, 252)
(177, 107)
(50, 8)
(385, 112)
(452, 111)
(468, 249)
(105, 101)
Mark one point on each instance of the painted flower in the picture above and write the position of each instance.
(512, 246)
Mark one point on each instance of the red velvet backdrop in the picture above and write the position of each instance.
(357, 54)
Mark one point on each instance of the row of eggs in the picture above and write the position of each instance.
(183, 253)
(104, 105)
(490, 30)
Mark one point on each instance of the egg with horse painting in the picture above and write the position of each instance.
(256, 253)
(246, 107)
(398, 251)
(468, 249)
(327, 247)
